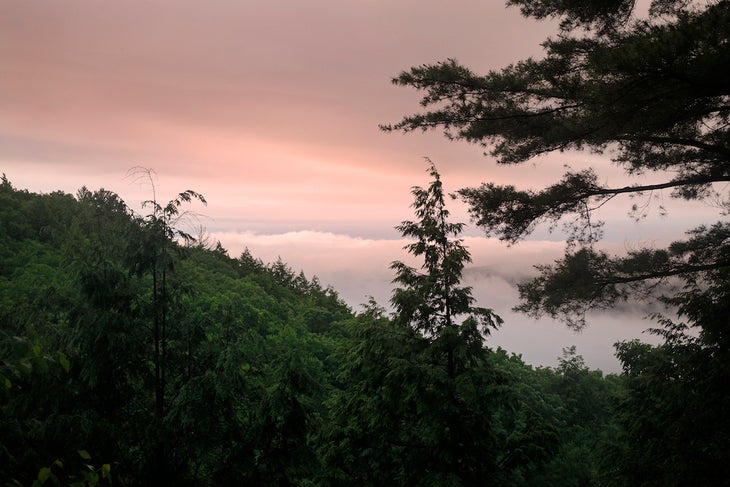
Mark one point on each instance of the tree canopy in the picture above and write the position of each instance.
(170, 363)
(647, 89)
(269, 379)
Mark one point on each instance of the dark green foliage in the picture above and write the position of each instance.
(555, 426)
(453, 385)
(432, 300)
(675, 408)
(103, 313)
(592, 279)
(420, 393)
(514, 214)
(650, 92)
(604, 14)
(271, 380)
(402, 420)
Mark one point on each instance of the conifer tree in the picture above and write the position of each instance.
(432, 299)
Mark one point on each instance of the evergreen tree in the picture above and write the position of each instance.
(419, 392)
(648, 88)
(432, 299)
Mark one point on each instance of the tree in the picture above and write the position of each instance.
(457, 415)
(432, 300)
(674, 409)
(152, 254)
(419, 392)
(90, 339)
(645, 88)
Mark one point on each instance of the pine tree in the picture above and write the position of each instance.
(647, 89)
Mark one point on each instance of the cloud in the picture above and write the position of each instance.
(359, 267)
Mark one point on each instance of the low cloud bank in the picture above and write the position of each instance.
(359, 267)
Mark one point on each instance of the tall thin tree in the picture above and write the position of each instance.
(154, 256)
(432, 298)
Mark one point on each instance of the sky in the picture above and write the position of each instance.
(270, 109)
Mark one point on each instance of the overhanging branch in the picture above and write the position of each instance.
(651, 187)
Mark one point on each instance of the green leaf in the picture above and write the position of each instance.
(84, 454)
(106, 471)
(64, 361)
(44, 474)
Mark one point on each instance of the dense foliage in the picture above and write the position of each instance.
(263, 377)
(132, 354)
(269, 379)
(171, 363)
(422, 398)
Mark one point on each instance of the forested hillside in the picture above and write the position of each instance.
(170, 363)
(133, 355)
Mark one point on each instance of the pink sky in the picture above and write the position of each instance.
(270, 109)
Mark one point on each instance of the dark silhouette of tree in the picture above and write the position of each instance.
(647, 90)
(432, 299)
(420, 393)
(674, 408)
